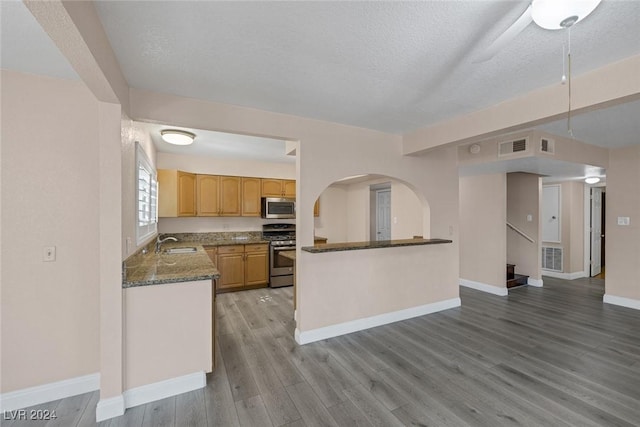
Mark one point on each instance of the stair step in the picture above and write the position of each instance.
(518, 280)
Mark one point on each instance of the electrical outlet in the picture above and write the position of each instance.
(49, 254)
(529, 218)
(623, 220)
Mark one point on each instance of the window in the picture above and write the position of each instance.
(147, 197)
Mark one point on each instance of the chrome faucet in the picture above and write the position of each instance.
(160, 241)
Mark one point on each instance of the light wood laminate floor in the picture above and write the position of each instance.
(552, 356)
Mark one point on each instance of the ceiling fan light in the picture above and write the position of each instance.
(592, 180)
(177, 137)
(559, 14)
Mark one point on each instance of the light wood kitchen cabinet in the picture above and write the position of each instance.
(251, 196)
(208, 195)
(219, 195)
(243, 267)
(230, 196)
(177, 193)
(316, 208)
(278, 188)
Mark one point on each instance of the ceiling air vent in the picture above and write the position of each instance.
(547, 146)
(512, 147)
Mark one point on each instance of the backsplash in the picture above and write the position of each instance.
(214, 236)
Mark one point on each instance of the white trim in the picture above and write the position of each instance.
(305, 337)
(565, 276)
(110, 408)
(535, 282)
(479, 286)
(48, 392)
(621, 301)
(163, 389)
(295, 314)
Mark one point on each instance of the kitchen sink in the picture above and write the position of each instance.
(185, 250)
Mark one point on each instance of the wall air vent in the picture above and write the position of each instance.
(552, 259)
(547, 146)
(512, 147)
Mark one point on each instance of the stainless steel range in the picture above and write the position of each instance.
(281, 237)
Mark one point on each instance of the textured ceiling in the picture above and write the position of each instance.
(222, 145)
(26, 46)
(391, 66)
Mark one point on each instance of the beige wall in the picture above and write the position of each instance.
(50, 197)
(361, 151)
(571, 226)
(483, 231)
(131, 133)
(214, 166)
(332, 222)
(346, 212)
(168, 332)
(523, 198)
(623, 242)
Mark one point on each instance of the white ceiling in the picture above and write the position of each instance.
(391, 66)
(222, 145)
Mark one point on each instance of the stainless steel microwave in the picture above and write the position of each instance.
(277, 207)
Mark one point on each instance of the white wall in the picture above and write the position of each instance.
(50, 197)
(332, 222)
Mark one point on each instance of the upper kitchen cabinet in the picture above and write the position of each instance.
(177, 193)
(278, 188)
(219, 195)
(251, 196)
(208, 195)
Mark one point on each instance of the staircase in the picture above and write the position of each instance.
(514, 279)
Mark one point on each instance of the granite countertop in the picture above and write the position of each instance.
(230, 242)
(288, 254)
(354, 246)
(156, 269)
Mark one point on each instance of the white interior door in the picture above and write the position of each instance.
(551, 213)
(383, 215)
(596, 231)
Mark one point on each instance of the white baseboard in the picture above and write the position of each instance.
(305, 337)
(110, 408)
(538, 283)
(565, 276)
(621, 301)
(37, 395)
(163, 389)
(479, 286)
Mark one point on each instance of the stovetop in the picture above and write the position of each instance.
(279, 234)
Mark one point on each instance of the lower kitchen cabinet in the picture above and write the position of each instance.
(243, 267)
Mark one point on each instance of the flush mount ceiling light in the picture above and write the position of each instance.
(177, 137)
(592, 180)
(559, 14)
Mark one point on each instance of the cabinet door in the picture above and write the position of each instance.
(271, 187)
(289, 188)
(231, 268)
(186, 194)
(208, 195)
(230, 196)
(316, 208)
(167, 193)
(250, 196)
(256, 268)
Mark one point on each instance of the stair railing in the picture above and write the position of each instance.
(520, 232)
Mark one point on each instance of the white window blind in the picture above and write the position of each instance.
(146, 196)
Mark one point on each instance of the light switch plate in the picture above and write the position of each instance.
(49, 254)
